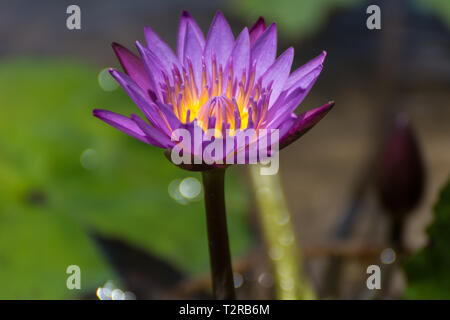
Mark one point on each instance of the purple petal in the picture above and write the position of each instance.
(305, 121)
(161, 49)
(278, 73)
(121, 123)
(154, 68)
(169, 118)
(305, 84)
(290, 98)
(257, 29)
(220, 39)
(241, 55)
(297, 78)
(284, 107)
(133, 66)
(197, 34)
(264, 50)
(287, 125)
(153, 135)
(141, 100)
(193, 50)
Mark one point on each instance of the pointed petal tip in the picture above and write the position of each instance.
(219, 13)
(257, 29)
(322, 109)
(141, 48)
(306, 121)
(116, 45)
(138, 43)
(219, 18)
(259, 23)
(185, 14)
(120, 50)
(272, 28)
(322, 56)
(103, 114)
(96, 112)
(261, 20)
(330, 104)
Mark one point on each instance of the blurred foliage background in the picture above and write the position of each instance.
(427, 269)
(300, 19)
(65, 173)
(69, 183)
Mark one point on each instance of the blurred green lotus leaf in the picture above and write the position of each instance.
(427, 270)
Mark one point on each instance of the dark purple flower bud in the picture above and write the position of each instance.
(400, 172)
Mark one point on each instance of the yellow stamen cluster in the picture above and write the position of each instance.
(219, 95)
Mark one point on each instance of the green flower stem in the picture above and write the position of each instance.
(219, 249)
(278, 233)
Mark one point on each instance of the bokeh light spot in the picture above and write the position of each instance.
(174, 191)
(282, 219)
(388, 256)
(265, 280)
(130, 295)
(276, 252)
(286, 238)
(89, 159)
(109, 291)
(118, 294)
(287, 284)
(106, 81)
(238, 280)
(101, 295)
(190, 188)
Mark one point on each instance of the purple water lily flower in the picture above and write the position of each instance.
(221, 83)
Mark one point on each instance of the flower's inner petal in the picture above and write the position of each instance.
(257, 29)
(219, 42)
(196, 34)
(193, 55)
(278, 73)
(240, 56)
(153, 66)
(264, 50)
